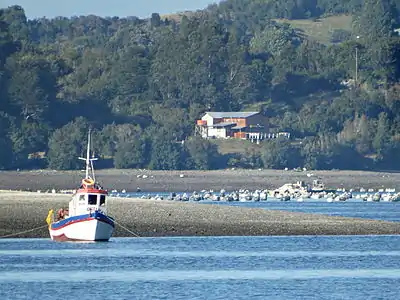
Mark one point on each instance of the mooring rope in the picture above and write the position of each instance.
(135, 234)
(127, 229)
(22, 232)
(43, 226)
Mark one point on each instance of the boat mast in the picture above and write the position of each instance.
(88, 156)
(89, 161)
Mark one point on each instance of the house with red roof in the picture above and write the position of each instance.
(241, 125)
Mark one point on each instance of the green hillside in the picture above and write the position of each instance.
(141, 84)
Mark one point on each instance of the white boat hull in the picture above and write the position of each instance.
(82, 228)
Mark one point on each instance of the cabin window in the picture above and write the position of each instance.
(102, 200)
(92, 200)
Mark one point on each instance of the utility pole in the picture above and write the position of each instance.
(356, 65)
(356, 81)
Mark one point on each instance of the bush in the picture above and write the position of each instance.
(340, 35)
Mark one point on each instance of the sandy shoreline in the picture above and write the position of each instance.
(20, 211)
(171, 181)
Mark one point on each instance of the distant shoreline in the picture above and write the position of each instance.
(21, 211)
(189, 181)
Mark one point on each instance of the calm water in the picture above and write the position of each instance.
(388, 211)
(339, 267)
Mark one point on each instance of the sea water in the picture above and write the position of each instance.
(386, 211)
(356, 208)
(302, 267)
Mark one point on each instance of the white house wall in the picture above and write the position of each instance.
(217, 132)
(209, 119)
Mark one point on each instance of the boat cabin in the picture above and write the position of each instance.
(318, 185)
(89, 197)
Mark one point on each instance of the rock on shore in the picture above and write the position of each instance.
(20, 211)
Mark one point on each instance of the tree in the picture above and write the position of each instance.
(325, 152)
(67, 144)
(272, 40)
(8, 45)
(30, 86)
(279, 153)
(155, 20)
(166, 153)
(340, 35)
(6, 153)
(30, 138)
(203, 153)
(382, 137)
(375, 24)
(131, 154)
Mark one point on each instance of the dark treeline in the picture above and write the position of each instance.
(141, 84)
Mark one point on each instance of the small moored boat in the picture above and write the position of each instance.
(86, 218)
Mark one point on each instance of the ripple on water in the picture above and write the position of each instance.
(145, 252)
(198, 275)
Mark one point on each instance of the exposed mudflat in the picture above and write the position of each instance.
(171, 181)
(20, 211)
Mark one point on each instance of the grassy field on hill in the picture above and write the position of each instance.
(321, 29)
(316, 29)
(177, 17)
(236, 146)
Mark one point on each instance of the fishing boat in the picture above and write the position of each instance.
(86, 218)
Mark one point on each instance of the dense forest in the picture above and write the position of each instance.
(140, 84)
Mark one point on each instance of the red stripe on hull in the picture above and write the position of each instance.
(64, 238)
(92, 191)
